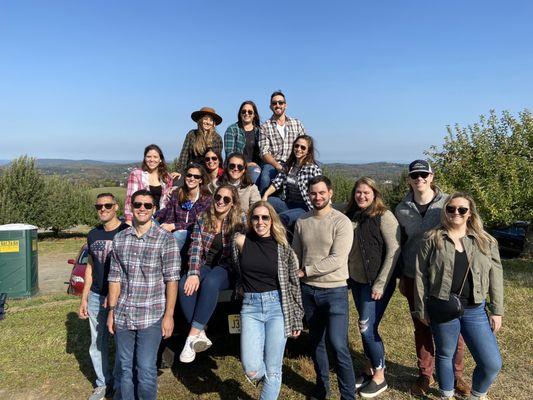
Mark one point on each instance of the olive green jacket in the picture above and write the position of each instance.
(434, 273)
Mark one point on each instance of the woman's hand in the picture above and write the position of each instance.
(191, 285)
(376, 295)
(168, 227)
(295, 334)
(495, 322)
(175, 175)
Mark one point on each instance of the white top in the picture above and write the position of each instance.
(17, 227)
(281, 130)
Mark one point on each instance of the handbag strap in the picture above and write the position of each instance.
(466, 274)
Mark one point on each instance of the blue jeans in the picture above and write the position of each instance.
(480, 340)
(326, 311)
(99, 339)
(181, 237)
(141, 344)
(199, 307)
(370, 314)
(288, 211)
(267, 174)
(263, 340)
(255, 173)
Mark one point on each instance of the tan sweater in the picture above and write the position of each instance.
(322, 245)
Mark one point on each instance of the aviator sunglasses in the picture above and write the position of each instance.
(108, 206)
(300, 146)
(138, 204)
(416, 175)
(452, 209)
(226, 199)
(240, 167)
(249, 112)
(264, 218)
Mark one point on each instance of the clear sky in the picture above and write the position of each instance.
(371, 81)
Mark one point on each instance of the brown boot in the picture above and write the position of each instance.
(461, 387)
(421, 386)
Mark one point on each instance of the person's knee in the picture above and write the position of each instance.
(273, 376)
(492, 365)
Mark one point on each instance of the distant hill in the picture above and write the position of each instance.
(109, 173)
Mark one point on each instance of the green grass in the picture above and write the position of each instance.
(44, 353)
(119, 192)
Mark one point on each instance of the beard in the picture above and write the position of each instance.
(324, 205)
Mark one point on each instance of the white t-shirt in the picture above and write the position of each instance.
(281, 130)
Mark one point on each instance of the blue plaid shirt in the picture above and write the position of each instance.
(143, 265)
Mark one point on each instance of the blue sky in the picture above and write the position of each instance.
(371, 81)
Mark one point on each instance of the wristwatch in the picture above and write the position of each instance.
(110, 308)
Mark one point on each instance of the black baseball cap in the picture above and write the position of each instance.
(420, 166)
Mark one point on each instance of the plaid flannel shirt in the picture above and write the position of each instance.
(188, 155)
(142, 266)
(139, 179)
(183, 219)
(271, 142)
(305, 174)
(201, 241)
(289, 283)
(235, 139)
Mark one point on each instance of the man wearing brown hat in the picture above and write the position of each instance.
(276, 137)
(202, 138)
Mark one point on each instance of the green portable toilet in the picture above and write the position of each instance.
(18, 260)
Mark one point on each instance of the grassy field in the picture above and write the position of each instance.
(119, 192)
(44, 353)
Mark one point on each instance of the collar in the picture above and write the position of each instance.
(152, 232)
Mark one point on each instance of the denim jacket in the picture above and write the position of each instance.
(434, 273)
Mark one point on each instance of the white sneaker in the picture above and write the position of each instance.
(98, 393)
(201, 342)
(188, 354)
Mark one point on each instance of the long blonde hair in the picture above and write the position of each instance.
(474, 225)
(377, 208)
(233, 218)
(277, 230)
(204, 139)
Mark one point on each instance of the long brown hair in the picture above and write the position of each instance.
(162, 168)
(256, 121)
(203, 139)
(474, 225)
(377, 208)
(245, 180)
(233, 218)
(183, 190)
(309, 158)
(277, 230)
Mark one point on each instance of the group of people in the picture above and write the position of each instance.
(211, 226)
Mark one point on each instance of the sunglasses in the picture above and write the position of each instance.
(108, 206)
(138, 204)
(452, 209)
(249, 112)
(240, 167)
(214, 158)
(264, 218)
(189, 175)
(416, 175)
(300, 146)
(279, 102)
(227, 200)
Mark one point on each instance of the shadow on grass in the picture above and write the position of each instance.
(78, 342)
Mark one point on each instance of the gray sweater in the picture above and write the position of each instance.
(414, 226)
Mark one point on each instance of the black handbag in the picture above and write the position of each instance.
(440, 311)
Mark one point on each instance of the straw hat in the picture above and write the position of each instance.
(206, 111)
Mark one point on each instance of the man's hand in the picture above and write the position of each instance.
(111, 322)
(167, 326)
(84, 312)
(295, 334)
(168, 227)
(301, 273)
(191, 285)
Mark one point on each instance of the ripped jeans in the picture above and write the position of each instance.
(263, 341)
(370, 314)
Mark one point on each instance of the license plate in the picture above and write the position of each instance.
(234, 324)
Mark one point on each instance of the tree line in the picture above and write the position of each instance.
(492, 160)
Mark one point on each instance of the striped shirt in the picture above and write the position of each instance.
(142, 265)
(271, 142)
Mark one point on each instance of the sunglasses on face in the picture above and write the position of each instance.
(189, 175)
(138, 204)
(300, 146)
(240, 167)
(452, 209)
(264, 218)
(249, 112)
(214, 158)
(108, 206)
(226, 199)
(416, 175)
(278, 103)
